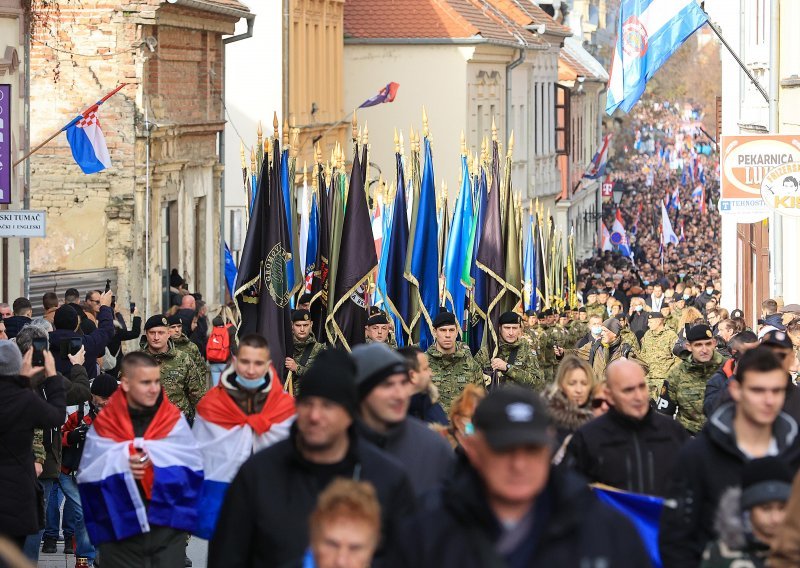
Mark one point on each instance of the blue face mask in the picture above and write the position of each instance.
(646, 282)
(597, 330)
(686, 296)
(639, 308)
(251, 384)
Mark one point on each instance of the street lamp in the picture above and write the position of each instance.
(617, 191)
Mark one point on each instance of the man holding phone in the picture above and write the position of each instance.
(64, 339)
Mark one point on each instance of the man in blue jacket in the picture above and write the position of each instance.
(66, 323)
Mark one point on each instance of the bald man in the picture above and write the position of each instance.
(631, 447)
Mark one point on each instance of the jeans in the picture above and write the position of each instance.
(33, 542)
(83, 546)
(52, 513)
(216, 371)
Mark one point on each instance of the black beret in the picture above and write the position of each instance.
(157, 320)
(174, 319)
(378, 319)
(374, 310)
(444, 318)
(509, 318)
(530, 313)
(305, 298)
(301, 315)
(582, 309)
(655, 315)
(698, 332)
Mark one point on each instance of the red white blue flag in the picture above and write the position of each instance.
(597, 168)
(87, 142)
(386, 95)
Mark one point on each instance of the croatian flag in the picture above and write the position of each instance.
(648, 33)
(667, 234)
(87, 142)
(619, 237)
(675, 202)
(697, 193)
(605, 238)
(227, 437)
(597, 168)
(385, 95)
(113, 508)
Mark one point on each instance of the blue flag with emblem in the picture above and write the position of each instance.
(530, 299)
(458, 246)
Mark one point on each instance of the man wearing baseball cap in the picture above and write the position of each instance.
(384, 393)
(504, 501)
(264, 518)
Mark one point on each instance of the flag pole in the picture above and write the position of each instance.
(60, 130)
(756, 84)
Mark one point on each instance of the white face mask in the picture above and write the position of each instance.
(709, 290)
(597, 330)
(639, 308)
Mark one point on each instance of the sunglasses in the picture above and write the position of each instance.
(598, 402)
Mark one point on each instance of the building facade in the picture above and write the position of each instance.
(159, 206)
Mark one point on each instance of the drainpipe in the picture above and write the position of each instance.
(774, 127)
(251, 18)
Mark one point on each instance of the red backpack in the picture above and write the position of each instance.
(218, 348)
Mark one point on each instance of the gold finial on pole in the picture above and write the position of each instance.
(252, 160)
(396, 142)
(494, 130)
(241, 154)
(424, 123)
(365, 138)
(317, 153)
(463, 144)
(511, 144)
(355, 126)
(402, 144)
(285, 132)
(259, 133)
(275, 124)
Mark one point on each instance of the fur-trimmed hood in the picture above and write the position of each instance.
(565, 414)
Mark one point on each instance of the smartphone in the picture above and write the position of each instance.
(113, 302)
(108, 285)
(133, 306)
(75, 344)
(39, 347)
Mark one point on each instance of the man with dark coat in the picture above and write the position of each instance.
(384, 394)
(22, 410)
(264, 519)
(23, 310)
(631, 447)
(716, 392)
(750, 427)
(66, 323)
(505, 506)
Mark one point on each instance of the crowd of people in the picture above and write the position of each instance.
(403, 457)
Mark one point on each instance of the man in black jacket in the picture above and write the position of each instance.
(631, 447)
(505, 507)
(66, 323)
(384, 393)
(264, 518)
(750, 427)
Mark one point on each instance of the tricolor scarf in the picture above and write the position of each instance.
(227, 437)
(113, 508)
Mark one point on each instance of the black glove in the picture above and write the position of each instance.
(78, 435)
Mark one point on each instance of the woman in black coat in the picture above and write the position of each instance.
(22, 410)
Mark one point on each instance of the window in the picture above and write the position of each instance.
(562, 126)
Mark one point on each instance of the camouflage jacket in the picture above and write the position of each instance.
(657, 352)
(560, 337)
(184, 382)
(595, 310)
(184, 344)
(673, 319)
(451, 373)
(535, 337)
(687, 386)
(524, 370)
(546, 354)
(297, 353)
(599, 355)
(577, 329)
(630, 338)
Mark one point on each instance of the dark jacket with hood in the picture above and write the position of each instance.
(264, 519)
(22, 410)
(14, 324)
(634, 455)
(94, 343)
(566, 415)
(717, 387)
(736, 546)
(569, 527)
(426, 455)
(704, 469)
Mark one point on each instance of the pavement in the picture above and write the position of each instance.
(198, 552)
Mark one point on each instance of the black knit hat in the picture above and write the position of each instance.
(375, 363)
(104, 385)
(765, 479)
(66, 318)
(332, 376)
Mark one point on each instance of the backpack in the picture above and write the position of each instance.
(218, 347)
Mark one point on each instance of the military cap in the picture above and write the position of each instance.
(374, 310)
(444, 318)
(582, 309)
(592, 291)
(305, 298)
(378, 319)
(563, 315)
(655, 315)
(509, 318)
(602, 291)
(530, 313)
(540, 314)
(301, 315)
(157, 320)
(777, 338)
(174, 319)
(737, 313)
(698, 332)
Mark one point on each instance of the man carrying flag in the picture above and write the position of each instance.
(246, 412)
(141, 473)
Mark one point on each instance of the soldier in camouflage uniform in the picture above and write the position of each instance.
(377, 329)
(184, 382)
(579, 327)
(515, 361)
(305, 348)
(676, 311)
(547, 354)
(183, 343)
(533, 333)
(451, 362)
(656, 351)
(592, 307)
(687, 381)
(560, 331)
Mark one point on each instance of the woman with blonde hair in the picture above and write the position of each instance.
(690, 316)
(637, 316)
(569, 397)
(461, 411)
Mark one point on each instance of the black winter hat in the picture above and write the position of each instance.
(66, 318)
(332, 376)
(765, 479)
(104, 385)
(444, 318)
(375, 363)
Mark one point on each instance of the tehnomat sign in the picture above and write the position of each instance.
(746, 161)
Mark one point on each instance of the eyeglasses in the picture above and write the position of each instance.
(598, 402)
